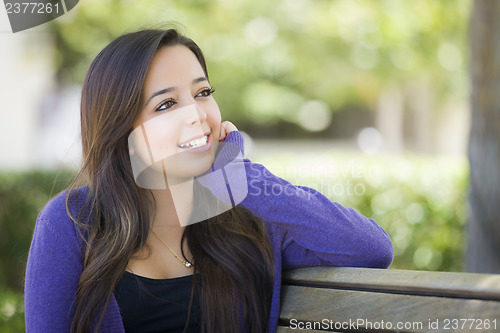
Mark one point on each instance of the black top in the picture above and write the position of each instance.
(156, 305)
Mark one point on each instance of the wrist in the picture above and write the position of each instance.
(236, 138)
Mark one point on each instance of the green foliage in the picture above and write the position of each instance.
(420, 201)
(11, 311)
(22, 196)
(268, 58)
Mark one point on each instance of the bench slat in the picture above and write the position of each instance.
(316, 304)
(466, 285)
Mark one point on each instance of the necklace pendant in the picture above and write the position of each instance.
(184, 262)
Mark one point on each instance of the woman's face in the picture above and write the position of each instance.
(180, 120)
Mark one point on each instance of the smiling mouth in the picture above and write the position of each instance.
(200, 142)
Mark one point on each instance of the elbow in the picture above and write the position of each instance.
(382, 254)
(375, 252)
(384, 259)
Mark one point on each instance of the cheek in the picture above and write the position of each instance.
(217, 117)
(214, 117)
(161, 134)
(162, 144)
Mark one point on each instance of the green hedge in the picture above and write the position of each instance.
(22, 196)
(11, 311)
(419, 200)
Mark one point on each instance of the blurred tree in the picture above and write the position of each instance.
(272, 61)
(483, 253)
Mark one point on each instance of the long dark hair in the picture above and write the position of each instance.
(231, 251)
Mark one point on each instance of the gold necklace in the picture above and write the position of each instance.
(186, 263)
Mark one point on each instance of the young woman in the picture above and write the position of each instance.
(121, 254)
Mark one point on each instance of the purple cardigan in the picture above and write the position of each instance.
(305, 228)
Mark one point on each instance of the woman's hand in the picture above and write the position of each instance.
(226, 128)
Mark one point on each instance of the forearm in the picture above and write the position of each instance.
(311, 222)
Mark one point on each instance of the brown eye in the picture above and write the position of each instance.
(165, 105)
(206, 93)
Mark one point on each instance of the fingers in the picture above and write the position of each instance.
(226, 128)
(222, 133)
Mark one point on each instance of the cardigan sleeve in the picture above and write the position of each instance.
(314, 230)
(53, 270)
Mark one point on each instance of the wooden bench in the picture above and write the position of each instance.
(340, 299)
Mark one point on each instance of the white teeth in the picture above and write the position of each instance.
(195, 143)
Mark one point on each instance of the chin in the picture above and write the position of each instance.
(189, 167)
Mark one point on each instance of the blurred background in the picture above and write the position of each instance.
(366, 101)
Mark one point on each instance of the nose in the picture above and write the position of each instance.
(197, 115)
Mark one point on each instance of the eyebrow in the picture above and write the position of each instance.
(167, 90)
